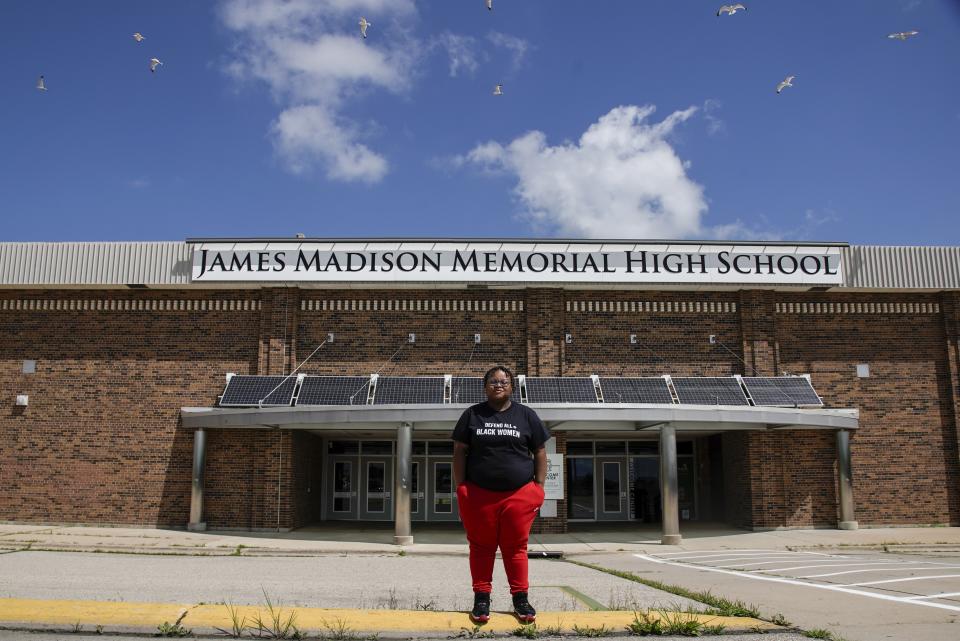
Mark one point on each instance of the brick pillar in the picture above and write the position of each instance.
(545, 328)
(950, 309)
(278, 326)
(765, 454)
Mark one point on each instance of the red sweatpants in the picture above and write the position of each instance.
(498, 519)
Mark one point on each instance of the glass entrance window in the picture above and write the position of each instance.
(645, 488)
(415, 487)
(376, 486)
(342, 486)
(442, 487)
(611, 486)
(580, 482)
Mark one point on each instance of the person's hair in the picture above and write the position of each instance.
(497, 368)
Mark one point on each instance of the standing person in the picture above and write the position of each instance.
(500, 466)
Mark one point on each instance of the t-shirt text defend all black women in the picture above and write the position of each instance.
(501, 444)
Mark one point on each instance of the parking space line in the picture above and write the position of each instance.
(785, 581)
(679, 554)
(743, 565)
(782, 559)
(942, 595)
(911, 578)
(915, 567)
(830, 565)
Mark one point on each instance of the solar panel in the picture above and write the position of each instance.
(543, 390)
(333, 390)
(649, 390)
(781, 391)
(709, 391)
(397, 389)
(467, 389)
(577, 390)
(244, 391)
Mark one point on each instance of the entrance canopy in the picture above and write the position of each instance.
(558, 416)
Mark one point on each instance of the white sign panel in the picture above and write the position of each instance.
(553, 487)
(517, 262)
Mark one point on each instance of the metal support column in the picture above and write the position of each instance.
(847, 518)
(401, 495)
(668, 486)
(197, 523)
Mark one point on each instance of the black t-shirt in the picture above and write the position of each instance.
(501, 444)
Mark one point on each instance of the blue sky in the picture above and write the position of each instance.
(619, 119)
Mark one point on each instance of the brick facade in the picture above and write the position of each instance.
(101, 441)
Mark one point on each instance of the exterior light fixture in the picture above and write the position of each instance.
(330, 337)
(633, 339)
(476, 339)
(22, 400)
(568, 338)
(863, 370)
(411, 338)
(713, 339)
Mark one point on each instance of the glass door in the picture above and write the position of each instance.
(377, 489)
(343, 483)
(612, 489)
(418, 506)
(581, 503)
(645, 489)
(441, 495)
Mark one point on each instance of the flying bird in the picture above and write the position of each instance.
(489, 5)
(41, 86)
(903, 35)
(498, 90)
(154, 63)
(730, 9)
(138, 37)
(787, 82)
(363, 26)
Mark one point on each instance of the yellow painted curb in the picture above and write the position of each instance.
(90, 614)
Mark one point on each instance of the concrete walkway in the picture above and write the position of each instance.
(55, 578)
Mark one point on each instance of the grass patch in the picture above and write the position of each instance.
(340, 631)
(238, 623)
(593, 632)
(718, 605)
(167, 629)
(663, 623)
(528, 631)
(818, 633)
(277, 625)
(476, 632)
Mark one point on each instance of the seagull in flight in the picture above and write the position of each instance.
(139, 37)
(787, 82)
(154, 63)
(730, 9)
(498, 90)
(363, 26)
(41, 86)
(903, 35)
(489, 5)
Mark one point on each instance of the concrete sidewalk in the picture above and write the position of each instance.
(337, 538)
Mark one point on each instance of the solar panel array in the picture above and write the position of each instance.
(709, 391)
(244, 391)
(392, 390)
(467, 389)
(651, 390)
(334, 390)
(277, 391)
(542, 390)
(781, 391)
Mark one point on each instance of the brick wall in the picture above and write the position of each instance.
(101, 442)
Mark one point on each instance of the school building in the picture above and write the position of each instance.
(276, 383)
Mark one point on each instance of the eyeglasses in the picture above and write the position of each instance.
(499, 383)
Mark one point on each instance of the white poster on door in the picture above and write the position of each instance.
(553, 488)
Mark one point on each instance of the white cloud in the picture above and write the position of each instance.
(621, 179)
(715, 125)
(461, 51)
(911, 5)
(310, 55)
(517, 47)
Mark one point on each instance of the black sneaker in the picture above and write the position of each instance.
(523, 609)
(481, 607)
